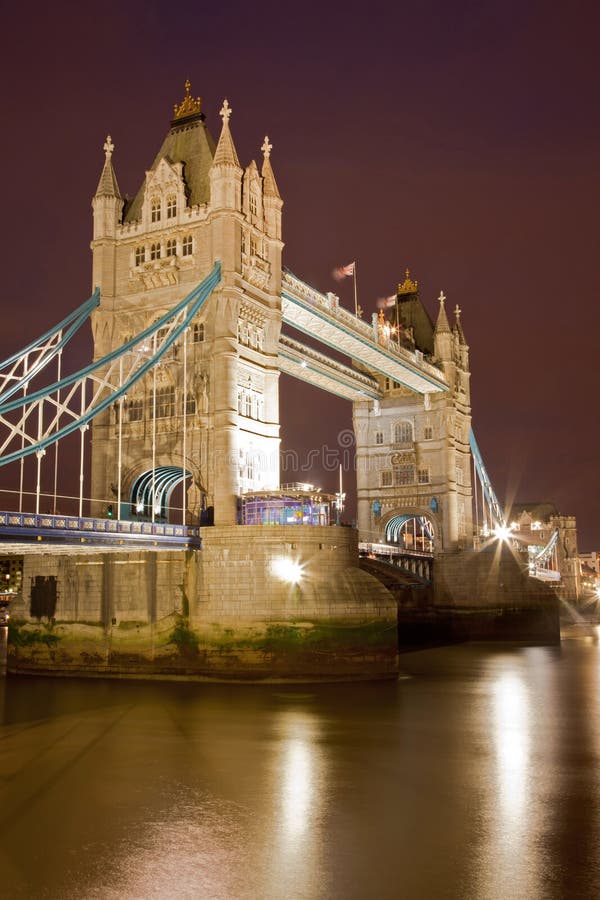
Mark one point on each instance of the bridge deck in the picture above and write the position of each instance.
(27, 532)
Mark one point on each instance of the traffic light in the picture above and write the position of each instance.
(109, 511)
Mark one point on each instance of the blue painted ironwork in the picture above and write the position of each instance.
(486, 484)
(152, 490)
(44, 350)
(51, 404)
(76, 530)
(394, 526)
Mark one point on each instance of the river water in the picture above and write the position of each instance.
(475, 776)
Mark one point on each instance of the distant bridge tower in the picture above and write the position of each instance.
(197, 205)
(412, 452)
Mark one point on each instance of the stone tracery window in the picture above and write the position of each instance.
(140, 256)
(171, 207)
(155, 251)
(135, 409)
(155, 209)
(171, 247)
(404, 474)
(198, 332)
(165, 402)
(190, 404)
(187, 245)
(403, 433)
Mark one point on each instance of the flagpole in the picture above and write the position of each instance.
(355, 292)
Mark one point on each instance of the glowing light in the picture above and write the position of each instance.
(503, 532)
(287, 569)
(139, 507)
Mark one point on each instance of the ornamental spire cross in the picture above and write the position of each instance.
(442, 297)
(108, 147)
(225, 112)
(266, 147)
(457, 311)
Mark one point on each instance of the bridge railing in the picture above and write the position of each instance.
(90, 526)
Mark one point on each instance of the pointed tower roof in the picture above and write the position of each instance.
(188, 142)
(270, 185)
(226, 153)
(107, 186)
(458, 329)
(442, 323)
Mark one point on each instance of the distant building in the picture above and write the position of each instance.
(534, 524)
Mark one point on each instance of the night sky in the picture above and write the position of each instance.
(459, 139)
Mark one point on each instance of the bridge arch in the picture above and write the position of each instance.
(416, 530)
(151, 491)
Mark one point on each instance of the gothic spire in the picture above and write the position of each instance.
(107, 186)
(442, 323)
(458, 329)
(270, 185)
(225, 154)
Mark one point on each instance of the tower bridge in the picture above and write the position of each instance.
(189, 301)
(193, 319)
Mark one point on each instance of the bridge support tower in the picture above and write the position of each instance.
(196, 205)
(412, 450)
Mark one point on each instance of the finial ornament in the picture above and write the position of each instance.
(188, 106)
(457, 311)
(266, 147)
(441, 298)
(108, 147)
(225, 112)
(409, 286)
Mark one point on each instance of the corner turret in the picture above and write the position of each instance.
(107, 203)
(226, 173)
(442, 336)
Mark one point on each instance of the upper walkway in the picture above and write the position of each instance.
(321, 317)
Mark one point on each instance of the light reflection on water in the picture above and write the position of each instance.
(477, 778)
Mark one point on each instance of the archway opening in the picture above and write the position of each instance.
(152, 493)
(410, 532)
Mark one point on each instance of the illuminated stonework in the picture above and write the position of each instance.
(196, 205)
(412, 451)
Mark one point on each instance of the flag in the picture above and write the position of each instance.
(386, 302)
(344, 271)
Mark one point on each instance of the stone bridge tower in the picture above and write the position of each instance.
(412, 452)
(196, 205)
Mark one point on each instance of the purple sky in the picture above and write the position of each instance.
(459, 139)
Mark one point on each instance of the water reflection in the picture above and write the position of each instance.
(298, 789)
(476, 779)
(512, 743)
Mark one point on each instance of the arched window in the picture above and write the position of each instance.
(135, 410)
(190, 405)
(403, 433)
(140, 255)
(172, 247)
(155, 209)
(198, 332)
(379, 437)
(171, 207)
(155, 251)
(187, 246)
(165, 402)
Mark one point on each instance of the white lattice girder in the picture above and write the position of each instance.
(323, 319)
(320, 370)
